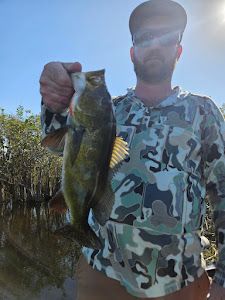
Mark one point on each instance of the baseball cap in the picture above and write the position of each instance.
(177, 17)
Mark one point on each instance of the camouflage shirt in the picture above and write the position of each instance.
(152, 241)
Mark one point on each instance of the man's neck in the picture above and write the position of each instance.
(152, 94)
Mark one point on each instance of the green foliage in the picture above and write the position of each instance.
(28, 171)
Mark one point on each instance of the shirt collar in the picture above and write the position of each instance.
(177, 95)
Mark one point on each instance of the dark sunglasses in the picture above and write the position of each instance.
(147, 38)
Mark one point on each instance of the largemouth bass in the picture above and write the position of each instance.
(91, 152)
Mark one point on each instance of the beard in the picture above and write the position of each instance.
(153, 70)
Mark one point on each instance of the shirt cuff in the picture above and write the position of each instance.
(52, 121)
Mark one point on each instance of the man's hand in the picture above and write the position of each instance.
(56, 86)
(216, 292)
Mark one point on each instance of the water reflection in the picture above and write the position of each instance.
(34, 263)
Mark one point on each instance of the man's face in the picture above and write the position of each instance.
(155, 51)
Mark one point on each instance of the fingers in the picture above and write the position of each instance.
(56, 90)
(56, 86)
(55, 72)
(72, 67)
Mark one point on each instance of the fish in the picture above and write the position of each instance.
(92, 152)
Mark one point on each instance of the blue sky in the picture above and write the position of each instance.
(95, 32)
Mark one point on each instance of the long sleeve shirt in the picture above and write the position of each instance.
(152, 240)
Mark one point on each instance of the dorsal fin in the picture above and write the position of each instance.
(120, 151)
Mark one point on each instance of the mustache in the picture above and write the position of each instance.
(154, 54)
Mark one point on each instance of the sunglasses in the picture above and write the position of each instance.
(147, 38)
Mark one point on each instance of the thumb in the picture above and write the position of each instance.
(72, 67)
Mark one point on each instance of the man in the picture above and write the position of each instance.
(152, 245)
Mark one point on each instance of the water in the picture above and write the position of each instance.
(34, 262)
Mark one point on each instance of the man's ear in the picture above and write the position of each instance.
(179, 51)
(132, 53)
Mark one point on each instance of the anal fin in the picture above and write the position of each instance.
(58, 203)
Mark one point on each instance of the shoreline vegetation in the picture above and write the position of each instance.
(30, 174)
(34, 262)
(28, 171)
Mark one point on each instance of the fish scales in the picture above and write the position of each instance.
(91, 149)
(84, 176)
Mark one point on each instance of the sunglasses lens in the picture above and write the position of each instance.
(143, 39)
(169, 39)
(146, 39)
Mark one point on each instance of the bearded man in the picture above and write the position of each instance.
(152, 240)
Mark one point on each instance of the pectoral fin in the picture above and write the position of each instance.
(55, 139)
(74, 141)
(119, 153)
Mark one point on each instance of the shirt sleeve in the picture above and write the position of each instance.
(52, 122)
(214, 173)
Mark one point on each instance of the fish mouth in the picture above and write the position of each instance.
(79, 82)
